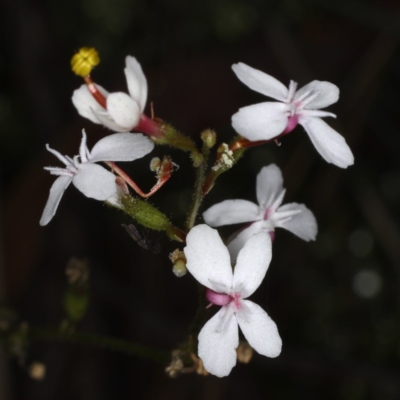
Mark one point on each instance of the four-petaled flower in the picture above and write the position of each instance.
(91, 179)
(267, 120)
(267, 215)
(209, 262)
(123, 112)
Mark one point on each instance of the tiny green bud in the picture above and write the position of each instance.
(76, 301)
(179, 269)
(209, 137)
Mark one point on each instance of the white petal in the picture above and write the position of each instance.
(123, 110)
(137, 83)
(231, 212)
(269, 185)
(252, 264)
(261, 121)
(95, 182)
(208, 258)
(217, 347)
(259, 329)
(56, 192)
(329, 143)
(239, 241)
(260, 81)
(121, 147)
(86, 104)
(303, 224)
(328, 94)
(109, 123)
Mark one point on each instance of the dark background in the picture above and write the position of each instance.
(335, 301)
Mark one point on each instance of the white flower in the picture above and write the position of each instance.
(267, 120)
(209, 262)
(123, 111)
(91, 179)
(267, 215)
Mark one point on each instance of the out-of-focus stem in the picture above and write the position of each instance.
(98, 341)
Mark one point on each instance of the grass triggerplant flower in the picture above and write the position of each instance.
(91, 179)
(120, 112)
(264, 121)
(267, 215)
(208, 260)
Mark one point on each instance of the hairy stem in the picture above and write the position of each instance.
(198, 190)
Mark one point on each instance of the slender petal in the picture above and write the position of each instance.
(252, 264)
(269, 185)
(260, 81)
(86, 104)
(261, 121)
(329, 143)
(231, 212)
(121, 147)
(303, 224)
(123, 110)
(137, 83)
(259, 329)
(56, 192)
(239, 241)
(208, 258)
(328, 94)
(95, 182)
(217, 347)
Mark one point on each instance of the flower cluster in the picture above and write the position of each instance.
(229, 272)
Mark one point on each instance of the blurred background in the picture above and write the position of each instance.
(335, 301)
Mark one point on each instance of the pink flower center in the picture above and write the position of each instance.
(223, 299)
(293, 120)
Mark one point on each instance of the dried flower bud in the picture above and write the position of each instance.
(37, 371)
(77, 270)
(155, 164)
(84, 60)
(244, 353)
(174, 369)
(225, 158)
(209, 137)
(198, 364)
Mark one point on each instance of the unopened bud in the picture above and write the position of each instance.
(84, 60)
(155, 164)
(179, 269)
(37, 371)
(244, 353)
(209, 137)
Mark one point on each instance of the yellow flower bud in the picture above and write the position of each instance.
(84, 60)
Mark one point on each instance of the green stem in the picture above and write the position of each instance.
(99, 341)
(198, 190)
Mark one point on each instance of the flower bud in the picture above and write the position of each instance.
(209, 137)
(76, 296)
(155, 164)
(179, 269)
(179, 260)
(37, 371)
(244, 353)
